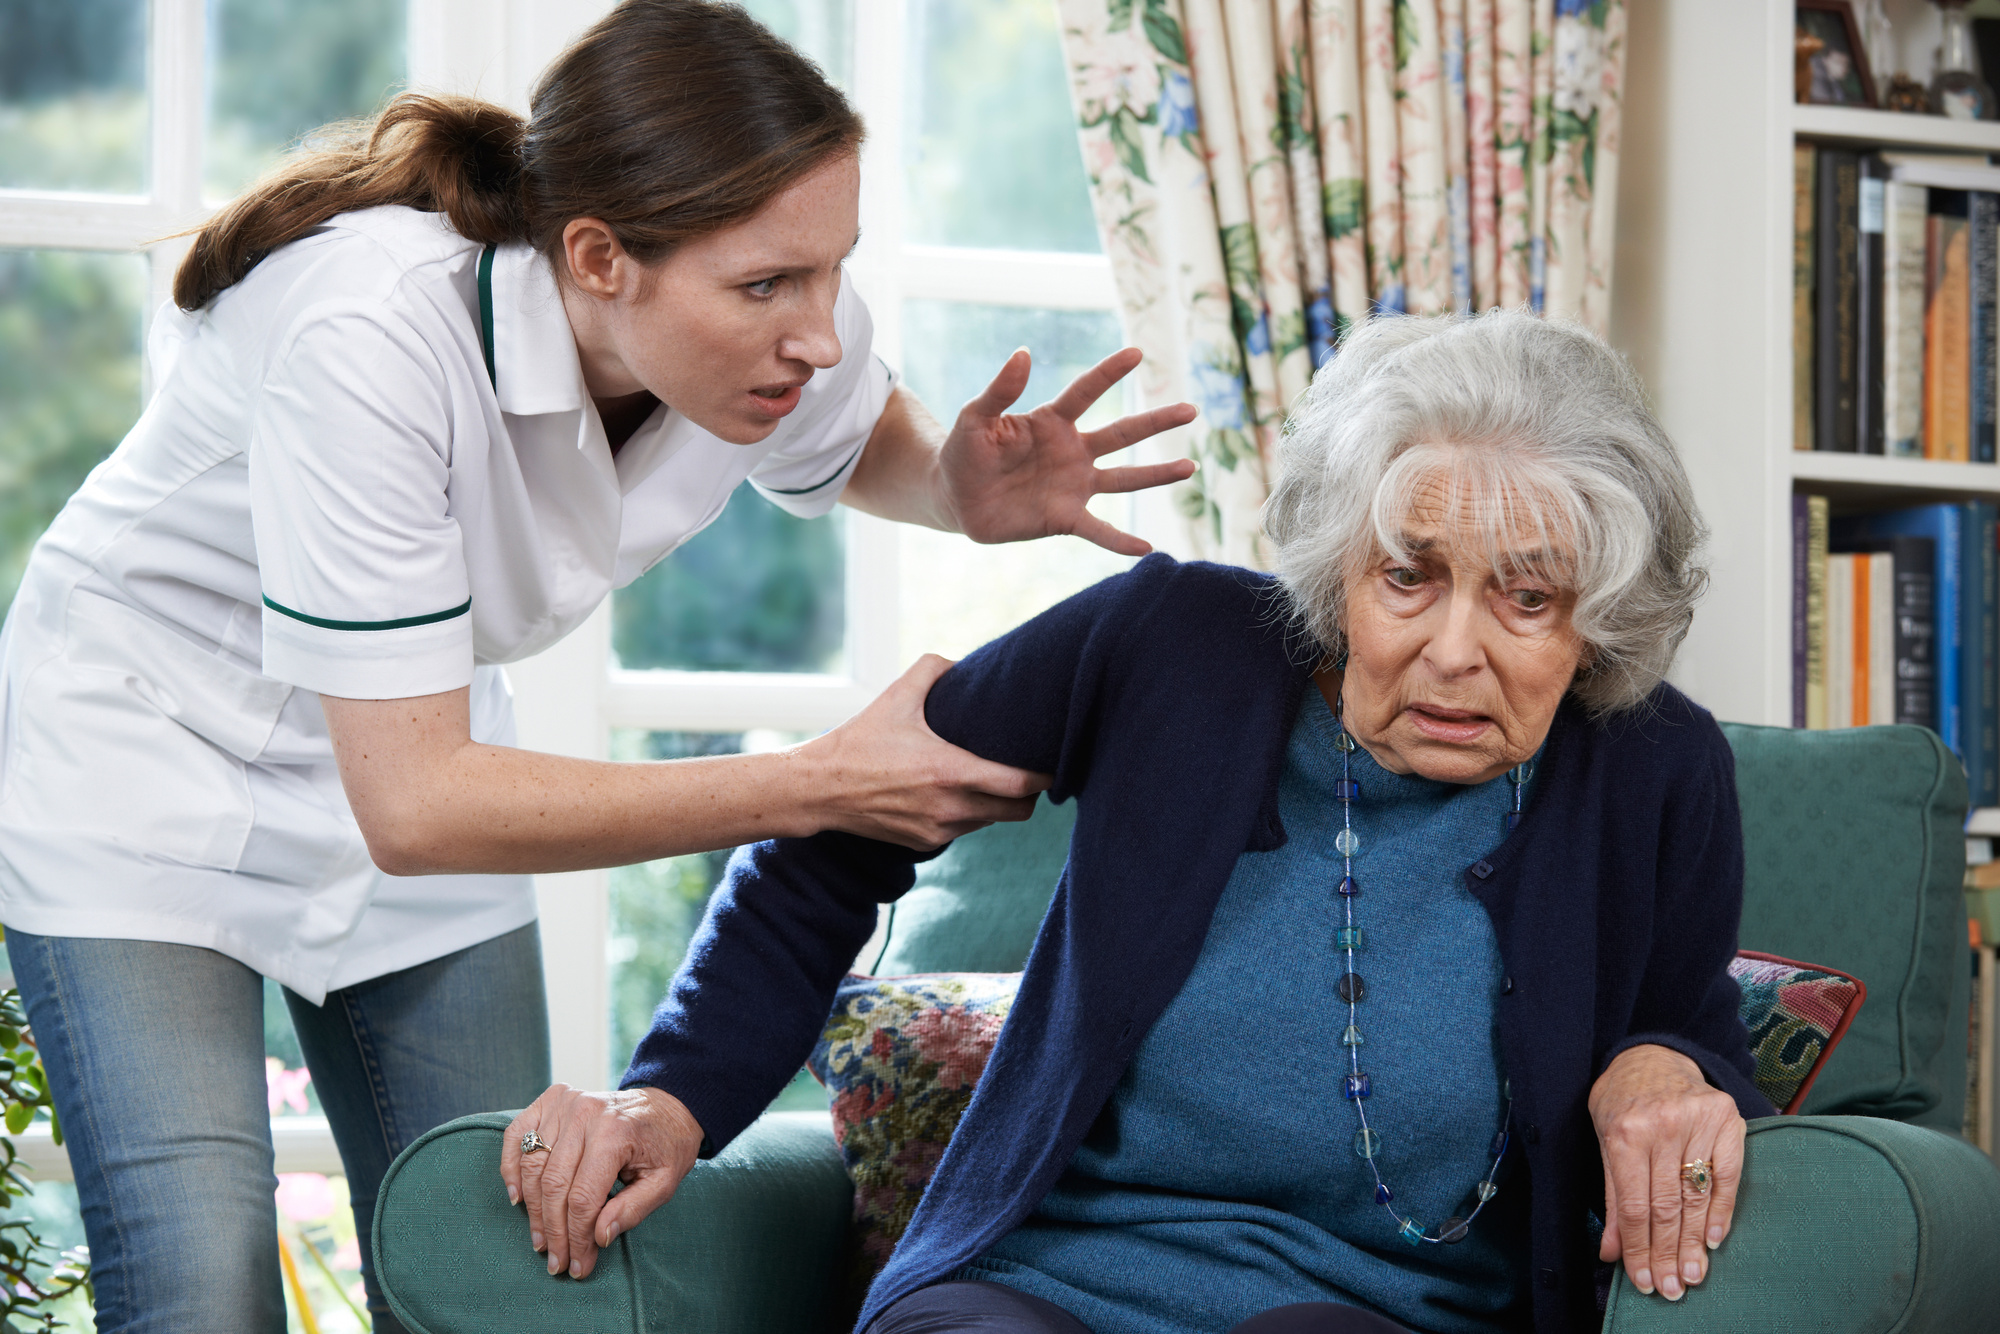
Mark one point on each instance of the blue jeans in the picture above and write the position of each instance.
(155, 1055)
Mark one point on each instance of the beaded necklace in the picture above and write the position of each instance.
(1352, 939)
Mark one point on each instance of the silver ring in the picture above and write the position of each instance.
(531, 1143)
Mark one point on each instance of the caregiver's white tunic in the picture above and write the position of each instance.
(328, 495)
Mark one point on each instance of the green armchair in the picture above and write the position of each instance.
(1865, 1214)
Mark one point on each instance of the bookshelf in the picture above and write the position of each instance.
(1704, 310)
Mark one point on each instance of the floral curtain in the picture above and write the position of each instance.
(1267, 172)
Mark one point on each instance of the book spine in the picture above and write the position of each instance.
(1949, 335)
(1903, 232)
(1870, 208)
(1836, 270)
(1840, 640)
(1882, 638)
(1816, 534)
(1983, 212)
(1950, 629)
(1979, 654)
(1799, 557)
(1805, 159)
(1916, 631)
(1862, 619)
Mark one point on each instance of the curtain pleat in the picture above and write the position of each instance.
(1266, 173)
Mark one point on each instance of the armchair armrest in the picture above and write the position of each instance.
(750, 1244)
(1847, 1224)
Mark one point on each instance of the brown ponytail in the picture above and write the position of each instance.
(668, 119)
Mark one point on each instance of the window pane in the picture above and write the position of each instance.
(279, 69)
(989, 146)
(956, 594)
(823, 29)
(73, 96)
(756, 591)
(655, 906)
(69, 382)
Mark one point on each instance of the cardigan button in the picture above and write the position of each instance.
(1482, 869)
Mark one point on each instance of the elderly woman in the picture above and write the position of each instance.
(1386, 984)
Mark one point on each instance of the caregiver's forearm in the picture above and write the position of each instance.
(431, 800)
(898, 477)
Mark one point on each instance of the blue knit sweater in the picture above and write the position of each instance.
(1221, 1179)
(1162, 699)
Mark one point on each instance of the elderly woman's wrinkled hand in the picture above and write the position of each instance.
(584, 1142)
(1655, 1116)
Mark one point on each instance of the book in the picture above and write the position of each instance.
(1836, 267)
(1944, 525)
(1947, 330)
(1982, 681)
(1913, 560)
(1801, 520)
(1839, 647)
(1982, 213)
(1870, 211)
(1905, 208)
(1817, 530)
(1805, 160)
(1881, 627)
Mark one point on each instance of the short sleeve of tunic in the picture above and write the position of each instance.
(365, 588)
(826, 433)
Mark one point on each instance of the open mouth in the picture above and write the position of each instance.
(775, 400)
(1442, 724)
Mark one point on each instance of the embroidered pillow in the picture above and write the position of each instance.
(1797, 1014)
(900, 1056)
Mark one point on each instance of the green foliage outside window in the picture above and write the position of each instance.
(33, 1277)
(69, 383)
(73, 95)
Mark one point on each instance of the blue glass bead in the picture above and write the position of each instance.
(1487, 1190)
(1346, 842)
(1348, 887)
(1507, 1089)
(1383, 1194)
(1347, 789)
(1499, 1145)
(1350, 938)
(1351, 988)
(1411, 1231)
(1513, 821)
(1354, 1086)
(1351, 1038)
(1343, 742)
(1367, 1143)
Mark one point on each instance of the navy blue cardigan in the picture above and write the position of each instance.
(1162, 699)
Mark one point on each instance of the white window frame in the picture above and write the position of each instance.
(570, 698)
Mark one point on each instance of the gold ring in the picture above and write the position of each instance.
(531, 1143)
(1698, 1175)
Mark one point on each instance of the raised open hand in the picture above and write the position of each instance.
(1010, 476)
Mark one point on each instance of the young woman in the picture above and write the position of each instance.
(428, 395)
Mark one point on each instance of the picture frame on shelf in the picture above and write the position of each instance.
(1831, 61)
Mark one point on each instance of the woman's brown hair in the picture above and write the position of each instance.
(668, 120)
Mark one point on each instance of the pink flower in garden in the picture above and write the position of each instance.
(959, 1039)
(285, 1086)
(306, 1197)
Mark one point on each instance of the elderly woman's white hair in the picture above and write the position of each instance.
(1537, 436)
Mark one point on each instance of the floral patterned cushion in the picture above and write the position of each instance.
(900, 1056)
(1796, 1013)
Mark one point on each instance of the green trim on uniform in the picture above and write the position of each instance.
(401, 623)
(485, 339)
(808, 490)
